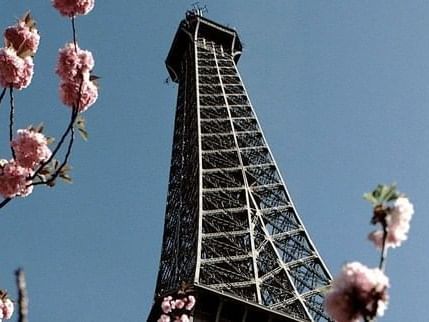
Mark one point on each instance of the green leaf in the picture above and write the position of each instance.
(94, 77)
(80, 125)
(27, 17)
(83, 134)
(65, 169)
(66, 178)
(38, 128)
(50, 140)
(369, 197)
(381, 194)
(65, 173)
(41, 177)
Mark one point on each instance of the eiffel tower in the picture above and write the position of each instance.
(231, 229)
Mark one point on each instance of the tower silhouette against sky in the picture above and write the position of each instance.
(231, 229)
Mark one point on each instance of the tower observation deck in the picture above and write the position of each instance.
(231, 229)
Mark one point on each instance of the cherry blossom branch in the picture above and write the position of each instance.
(383, 255)
(70, 128)
(2, 94)
(5, 202)
(75, 113)
(74, 33)
(58, 171)
(69, 148)
(60, 168)
(359, 292)
(78, 90)
(381, 266)
(59, 144)
(22, 296)
(11, 117)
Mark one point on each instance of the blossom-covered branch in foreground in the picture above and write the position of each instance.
(360, 293)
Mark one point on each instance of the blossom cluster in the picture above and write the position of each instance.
(6, 307)
(31, 149)
(14, 180)
(358, 292)
(77, 88)
(178, 309)
(397, 223)
(71, 8)
(16, 57)
(31, 154)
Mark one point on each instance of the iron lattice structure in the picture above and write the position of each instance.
(231, 229)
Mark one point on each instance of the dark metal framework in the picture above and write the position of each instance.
(231, 227)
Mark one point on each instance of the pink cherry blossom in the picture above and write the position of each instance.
(182, 318)
(23, 37)
(74, 63)
(173, 305)
(6, 309)
(191, 302)
(179, 304)
(31, 148)
(164, 318)
(398, 224)
(356, 293)
(14, 70)
(14, 180)
(72, 8)
(166, 304)
(69, 93)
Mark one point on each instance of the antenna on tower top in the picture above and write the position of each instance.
(197, 9)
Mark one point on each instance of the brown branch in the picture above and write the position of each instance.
(22, 296)
(383, 256)
(11, 117)
(5, 202)
(2, 94)
(381, 266)
(69, 149)
(59, 144)
(74, 33)
(63, 164)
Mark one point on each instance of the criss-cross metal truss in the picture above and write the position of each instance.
(230, 225)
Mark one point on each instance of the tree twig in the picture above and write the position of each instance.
(2, 94)
(5, 202)
(59, 144)
(74, 33)
(66, 158)
(63, 164)
(381, 266)
(11, 117)
(22, 296)
(383, 256)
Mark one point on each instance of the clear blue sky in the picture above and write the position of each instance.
(342, 92)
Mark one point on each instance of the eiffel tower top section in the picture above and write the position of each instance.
(231, 229)
(195, 24)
